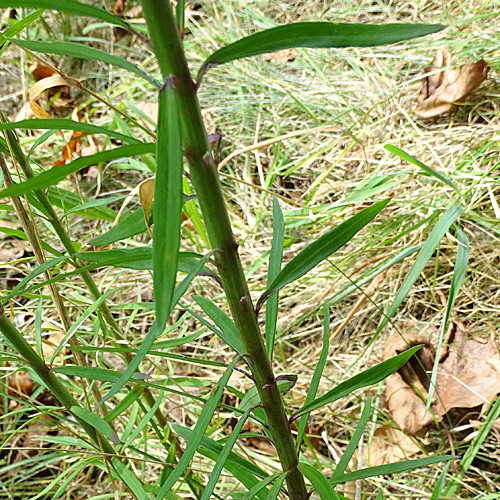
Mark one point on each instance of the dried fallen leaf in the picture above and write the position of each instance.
(404, 402)
(390, 445)
(47, 79)
(468, 376)
(441, 91)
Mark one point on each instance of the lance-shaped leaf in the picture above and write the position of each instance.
(316, 35)
(96, 422)
(83, 52)
(368, 377)
(69, 6)
(320, 249)
(395, 468)
(57, 174)
(430, 171)
(167, 210)
(319, 482)
(64, 124)
(127, 227)
(275, 258)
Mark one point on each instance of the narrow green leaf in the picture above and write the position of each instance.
(275, 259)
(167, 211)
(130, 398)
(456, 282)
(96, 422)
(368, 377)
(438, 487)
(95, 373)
(64, 124)
(140, 258)
(130, 479)
(57, 174)
(434, 173)
(216, 449)
(258, 488)
(38, 327)
(285, 382)
(72, 203)
(31, 276)
(227, 329)
(318, 372)
(145, 420)
(151, 336)
(276, 489)
(16, 28)
(199, 431)
(181, 288)
(82, 207)
(316, 35)
(75, 325)
(80, 51)
(179, 15)
(474, 448)
(319, 482)
(322, 248)
(127, 227)
(353, 442)
(69, 6)
(426, 252)
(223, 457)
(395, 468)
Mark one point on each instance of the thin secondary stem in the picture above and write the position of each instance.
(15, 338)
(68, 244)
(171, 59)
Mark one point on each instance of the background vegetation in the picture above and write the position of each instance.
(344, 106)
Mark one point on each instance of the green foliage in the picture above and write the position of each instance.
(132, 398)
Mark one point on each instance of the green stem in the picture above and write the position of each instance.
(15, 338)
(65, 239)
(171, 59)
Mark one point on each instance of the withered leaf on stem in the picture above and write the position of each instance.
(441, 91)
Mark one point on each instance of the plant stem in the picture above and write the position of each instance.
(15, 338)
(171, 59)
(71, 249)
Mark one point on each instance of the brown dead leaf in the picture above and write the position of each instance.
(118, 8)
(50, 342)
(47, 79)
(469, 375)
(405, 404)
(441, 91)
(24, 113)
(73, 145)
(146, 195)
(388, 446)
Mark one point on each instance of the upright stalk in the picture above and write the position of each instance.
(171, 59)
(50, 379)
(68, 244)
